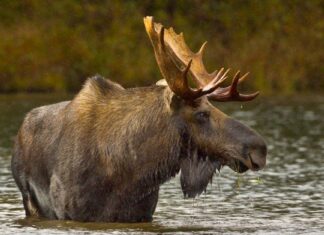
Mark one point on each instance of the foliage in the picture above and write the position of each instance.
(55, 45)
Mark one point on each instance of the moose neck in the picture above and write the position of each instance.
(142, 147)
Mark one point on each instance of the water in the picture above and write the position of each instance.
(287, 197)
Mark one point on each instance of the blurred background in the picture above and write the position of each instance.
(48, 48)
(53, 46)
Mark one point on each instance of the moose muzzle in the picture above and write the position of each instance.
(249, 148)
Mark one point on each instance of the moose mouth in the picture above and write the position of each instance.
(238, 162)
(237, 165)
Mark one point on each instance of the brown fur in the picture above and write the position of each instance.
(103, 155)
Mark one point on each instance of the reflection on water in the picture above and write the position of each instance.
(286, 198)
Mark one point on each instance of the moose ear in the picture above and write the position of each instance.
(162, 82)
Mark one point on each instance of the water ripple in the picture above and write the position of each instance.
(285, 198)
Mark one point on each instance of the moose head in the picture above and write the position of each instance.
(213, 139)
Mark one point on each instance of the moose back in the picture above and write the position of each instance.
(104, 155)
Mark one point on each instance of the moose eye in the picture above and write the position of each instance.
(202, 116)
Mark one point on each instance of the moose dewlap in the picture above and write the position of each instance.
(104, 155)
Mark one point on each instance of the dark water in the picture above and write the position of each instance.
(286, 198)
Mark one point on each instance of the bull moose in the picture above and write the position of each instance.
(104, 155)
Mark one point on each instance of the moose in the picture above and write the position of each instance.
(103, 155)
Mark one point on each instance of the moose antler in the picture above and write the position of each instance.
(174, 74)
(230, 93)
(176, 60)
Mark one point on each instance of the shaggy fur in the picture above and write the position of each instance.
(103, 155)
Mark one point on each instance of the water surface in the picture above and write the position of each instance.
(287, 197)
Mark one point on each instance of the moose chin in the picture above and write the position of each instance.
(104, 155)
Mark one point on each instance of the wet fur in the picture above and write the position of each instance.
(101, 156)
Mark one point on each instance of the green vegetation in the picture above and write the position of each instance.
(56, 45)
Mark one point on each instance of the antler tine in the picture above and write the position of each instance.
(215, 83)
(202, 49)
(230, 93)
(242, 79)
(219, 79)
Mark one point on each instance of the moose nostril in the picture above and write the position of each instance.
(255, 166)
(257, 157)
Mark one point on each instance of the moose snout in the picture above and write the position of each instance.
(252, 147)
(255, 154)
